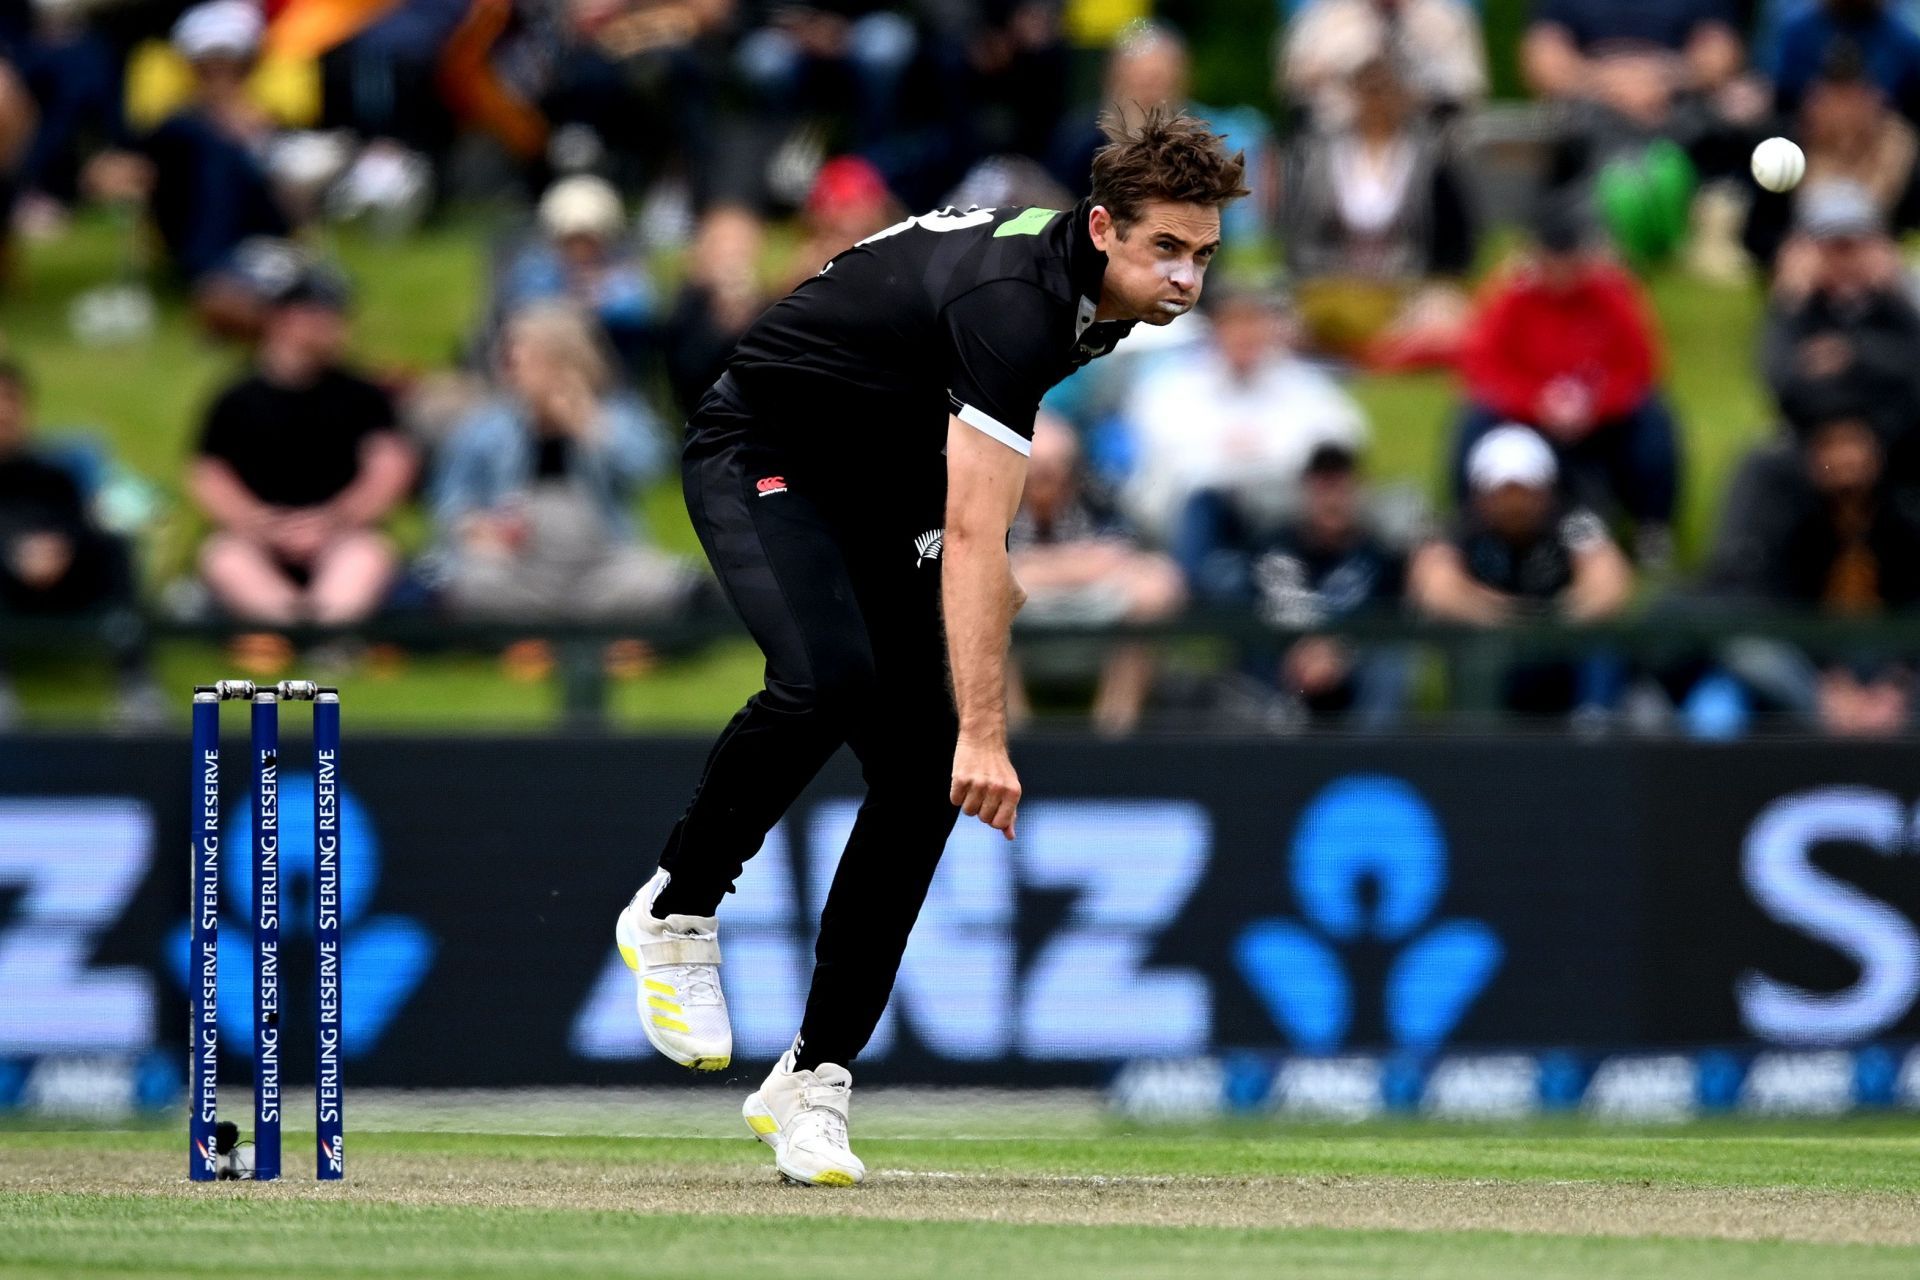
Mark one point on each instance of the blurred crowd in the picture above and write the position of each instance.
(678, 164)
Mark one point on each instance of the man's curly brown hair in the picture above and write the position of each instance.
(1162, 154)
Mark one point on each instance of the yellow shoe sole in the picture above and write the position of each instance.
(830, 1178)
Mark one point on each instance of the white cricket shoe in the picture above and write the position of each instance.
(676, 962)
(802, 1115)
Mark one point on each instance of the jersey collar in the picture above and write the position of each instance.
(1086, 266)
(1086, 270)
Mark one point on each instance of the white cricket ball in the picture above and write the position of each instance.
(1778, 164)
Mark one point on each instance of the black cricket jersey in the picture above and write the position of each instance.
(973, 313)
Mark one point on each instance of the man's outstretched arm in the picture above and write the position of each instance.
(979, 598)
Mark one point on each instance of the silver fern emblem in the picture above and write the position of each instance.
(928, 545)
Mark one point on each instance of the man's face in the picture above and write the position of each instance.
(314, 333)
(1330, 502)
(582, 249)
(1155, 266)
(1247, 333)
(1516, 512)
(1840, 111)
(221, 75)
(1150, 76)
(1050, 468)
(1380, 100)
(1847, 264)
(1561, 270)
(529, 366)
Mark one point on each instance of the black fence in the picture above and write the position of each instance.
(1473, 659)
(1164, 900)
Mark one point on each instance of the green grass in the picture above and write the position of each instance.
(1713, 1200)
(64, 1236)
(418, 300)
(1877, 1153)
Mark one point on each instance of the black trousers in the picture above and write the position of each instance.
(838, 579)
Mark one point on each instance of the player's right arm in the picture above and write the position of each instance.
(1007, 340)
(1005, 336)
(978, 598)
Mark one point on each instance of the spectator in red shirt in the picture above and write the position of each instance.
(1565, 343)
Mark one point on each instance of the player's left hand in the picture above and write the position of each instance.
(985, 785)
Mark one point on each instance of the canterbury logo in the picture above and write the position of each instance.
(771, 485)
(928, 545)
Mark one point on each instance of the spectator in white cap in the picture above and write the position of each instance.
(220, 29)
(1517, 553)
(202, 171)
(582, 257)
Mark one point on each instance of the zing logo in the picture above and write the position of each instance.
(769, 485)
(927, 545)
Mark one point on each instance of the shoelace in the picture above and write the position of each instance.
(832, 1123)
(701, 986)
(702, 983)
(828, 1105)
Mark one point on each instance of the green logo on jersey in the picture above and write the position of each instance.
(1030, 223)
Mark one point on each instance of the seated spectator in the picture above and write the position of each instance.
(1324, 565)
(1019, 70)
(1839, 541)
(846, 58)
(1378, 232)
(202, 171)
(1888, 46)
(381, 67)
(1851, 134)
(297, 466)
(1150, 66)
(1565, 343)
(1655, 101)
(72, 72)
(1329, 41)
(1519, 552)
(721, 295)
(1841, 323)
(630, 82)
(1227, 429)
(532, 494)
(18, 121)
(1632, 58)
(582, 257)
(848, 203)
(1078, 563)
(57, 562)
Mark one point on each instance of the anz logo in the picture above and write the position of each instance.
(1368, 865)
(1368, 868)
(970, 988)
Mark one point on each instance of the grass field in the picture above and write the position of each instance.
(660, 1186)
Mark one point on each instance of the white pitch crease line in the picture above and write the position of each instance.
(666, 1135)
(1055, 1179)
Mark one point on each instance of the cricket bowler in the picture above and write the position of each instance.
(852, 477)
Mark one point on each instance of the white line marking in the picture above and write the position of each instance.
(1057, 1179)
